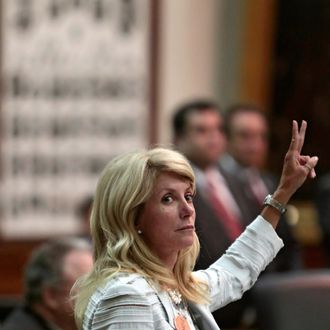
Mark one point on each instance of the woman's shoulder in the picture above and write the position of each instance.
(125, 290)
(126, 284)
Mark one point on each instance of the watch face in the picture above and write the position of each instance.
(269, 200)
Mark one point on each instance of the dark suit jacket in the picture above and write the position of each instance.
(214, 242)
(289, 257)
(24, 318)
(210, 230)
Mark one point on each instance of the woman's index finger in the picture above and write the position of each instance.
(294, 136)
(302, 133)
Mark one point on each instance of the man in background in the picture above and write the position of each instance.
(49, 276)
(198, 128)
(248, 145)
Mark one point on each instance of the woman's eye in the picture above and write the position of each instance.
(167, 199)
(189, 197)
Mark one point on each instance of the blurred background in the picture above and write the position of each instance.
(82, 81)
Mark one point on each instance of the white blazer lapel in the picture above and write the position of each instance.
(165, 301)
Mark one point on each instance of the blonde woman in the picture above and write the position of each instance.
(145, 245)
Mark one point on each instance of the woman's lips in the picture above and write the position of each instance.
(189, 227)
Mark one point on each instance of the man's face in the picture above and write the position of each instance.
(75, 264)
(204, 141)
(248, 142)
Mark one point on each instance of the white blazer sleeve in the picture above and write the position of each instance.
(238, 269)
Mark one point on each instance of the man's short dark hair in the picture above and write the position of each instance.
(179, 120)
(239, 108)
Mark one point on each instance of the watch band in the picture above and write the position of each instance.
(269, 200)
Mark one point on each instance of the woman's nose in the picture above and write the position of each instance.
(187, 209)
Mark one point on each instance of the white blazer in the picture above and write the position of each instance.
(129, 301)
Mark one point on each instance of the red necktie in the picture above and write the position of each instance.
(228, 220)
(257, 186)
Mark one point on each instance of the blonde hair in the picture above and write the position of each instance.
(125, 185)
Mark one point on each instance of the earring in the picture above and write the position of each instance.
(139, 231)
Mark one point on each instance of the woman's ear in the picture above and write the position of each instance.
(49, 297)
(137, 227)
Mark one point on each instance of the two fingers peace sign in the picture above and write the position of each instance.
(297, 167)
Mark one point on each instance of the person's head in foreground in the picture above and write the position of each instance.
(143, 223)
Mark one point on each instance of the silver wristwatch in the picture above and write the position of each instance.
(269, 200)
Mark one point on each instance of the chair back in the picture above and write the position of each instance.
(293, 301)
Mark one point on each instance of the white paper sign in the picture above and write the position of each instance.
(75, 80)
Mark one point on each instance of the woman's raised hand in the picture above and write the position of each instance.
(296, 167)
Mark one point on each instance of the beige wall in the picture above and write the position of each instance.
(213, 48)
(187, 56)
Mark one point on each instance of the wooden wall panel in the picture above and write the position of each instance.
(257, 49)
(13, 257)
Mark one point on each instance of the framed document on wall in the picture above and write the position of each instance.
(75, 77)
